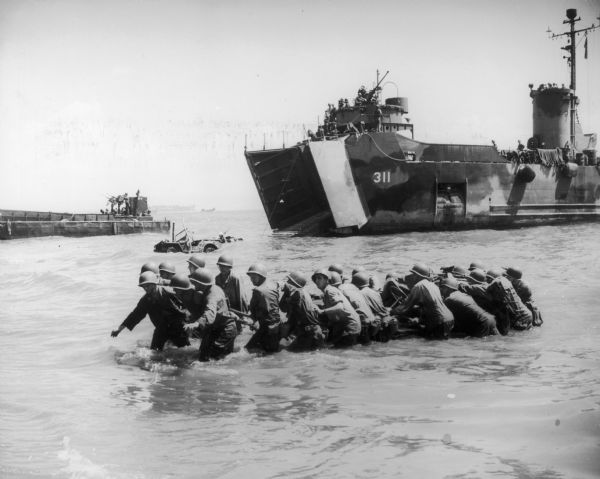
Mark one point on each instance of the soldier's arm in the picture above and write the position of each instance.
(133, 318)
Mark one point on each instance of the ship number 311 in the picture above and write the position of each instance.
(382, 176)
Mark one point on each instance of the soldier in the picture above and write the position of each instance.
(166, 271)
(186, 293)
(264, 309)
(469, 318)
(394, 290)
(194, 262)
(476, 287)
(236, 291)
(510, 310)
(302, 315)
(369, 325)
(515, 275)
(436, 320)
(218, 322)
(342, 319)
(165, 312)
(386, 327)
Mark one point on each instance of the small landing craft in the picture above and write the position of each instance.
(363, 172)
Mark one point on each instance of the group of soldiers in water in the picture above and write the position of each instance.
(346, 311)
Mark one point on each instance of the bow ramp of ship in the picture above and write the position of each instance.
(308, 188)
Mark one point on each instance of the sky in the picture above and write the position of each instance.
(103, 97)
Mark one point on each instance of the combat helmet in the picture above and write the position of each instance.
(202, 276)
(477, 276)
(421, 270)
(320, 272)
(360, 279)
(514, 273)
(257, 269)
(166, 267)
(197, 261)
(337, 268)
(149, 266)
(459, 272)
(225, 260)
(297, 279)
(493, 273)
(181, 282)
(335, 278)
(147, 277)
(476, 265)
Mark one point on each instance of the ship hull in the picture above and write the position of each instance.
(386, 183)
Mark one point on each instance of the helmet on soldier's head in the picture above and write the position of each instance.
(476, 264)
(514, 273)
(202, 276)
(225, 260)
(196, 261)
(358, 269)
(421, 270)
(337, 268)
(459, 271)
(166, 267)
(334, 278)
(360, 279)
(297, 279)
(257, 269)
(320, 272)
(147, 277)
(450, 283)
(493, 274)
(150, 266)
(477, 276)
(181, 281)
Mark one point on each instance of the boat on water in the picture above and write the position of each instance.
(363, 172)
(127, 215)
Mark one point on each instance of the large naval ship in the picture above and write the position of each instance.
(362, 171)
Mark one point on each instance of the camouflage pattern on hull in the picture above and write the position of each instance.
(406, 185)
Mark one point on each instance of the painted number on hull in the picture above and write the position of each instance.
(382, 176)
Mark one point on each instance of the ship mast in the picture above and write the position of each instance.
(571, 60)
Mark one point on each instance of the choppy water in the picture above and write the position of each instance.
(75, 402)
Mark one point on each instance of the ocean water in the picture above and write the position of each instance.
(76, 403)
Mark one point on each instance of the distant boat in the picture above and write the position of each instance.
(207, 209)
(176, 207)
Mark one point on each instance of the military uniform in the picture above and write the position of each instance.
(369, 324)
(219, 325)
(167, 316)
(479, 293)
(435, 316)
(344, 323)
(302, 319)
(235, 290)
(469, 318)
(510, 310)
(525, 294)
(387, 326)
(264, 308)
